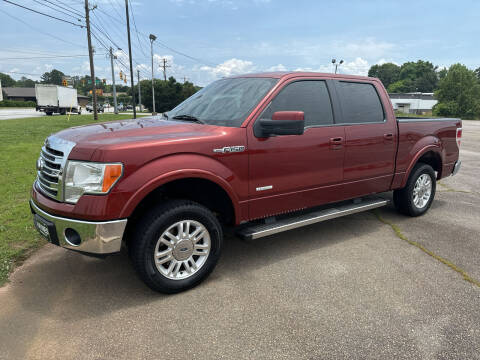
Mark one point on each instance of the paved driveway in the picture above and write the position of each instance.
(350, 288)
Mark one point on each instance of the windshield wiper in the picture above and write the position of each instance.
(186, 117)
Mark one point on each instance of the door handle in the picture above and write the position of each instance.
(388, 136)
(336, 143)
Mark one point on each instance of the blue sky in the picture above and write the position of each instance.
(227, 37)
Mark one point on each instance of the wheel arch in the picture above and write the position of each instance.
(431, 155)
(196, 185)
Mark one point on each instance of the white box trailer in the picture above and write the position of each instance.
(56, 99)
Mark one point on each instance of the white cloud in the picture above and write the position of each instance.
(358, 66)
(279, 67)
(230, 67)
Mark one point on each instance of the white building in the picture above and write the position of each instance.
(413, 103)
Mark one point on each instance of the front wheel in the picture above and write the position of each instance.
(417, 196)
(176, 246)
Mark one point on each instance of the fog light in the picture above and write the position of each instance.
(72, 237)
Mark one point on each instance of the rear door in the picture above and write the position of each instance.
(370, 138)
(292, 172)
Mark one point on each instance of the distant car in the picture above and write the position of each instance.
(129, 107)
(89, 108)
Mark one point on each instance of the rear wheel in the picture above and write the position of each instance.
(176, 246)
(417, 196)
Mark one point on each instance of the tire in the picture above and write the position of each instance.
(159, 227)
(49, 113)
(417, 196)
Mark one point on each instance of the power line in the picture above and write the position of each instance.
(41, 13)
(136, 31)
(204, 62)
(39, 30)
(45, 57)
(20, 73)
(66, 7)
(106, 47)
(60, 11)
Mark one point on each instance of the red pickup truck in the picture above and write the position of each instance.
(263, 153)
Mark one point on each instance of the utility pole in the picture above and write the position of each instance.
(115, 107)
(139, 93)
(90, 55)
(152, 39)
(185, 79)
(164, 66)
(130, 56)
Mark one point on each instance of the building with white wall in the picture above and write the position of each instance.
(413, 103)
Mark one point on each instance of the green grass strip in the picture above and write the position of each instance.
(20, 143)
(402, 236)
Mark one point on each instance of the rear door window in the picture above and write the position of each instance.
(360, 103)
(309, 96)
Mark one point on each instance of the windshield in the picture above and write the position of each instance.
(225, 102)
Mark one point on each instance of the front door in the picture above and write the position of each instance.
(292, 172)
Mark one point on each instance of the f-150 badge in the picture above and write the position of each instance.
(230, 149)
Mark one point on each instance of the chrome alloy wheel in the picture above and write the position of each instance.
(182, 249)
(422, 191)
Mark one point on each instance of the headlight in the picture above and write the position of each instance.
(89, 178)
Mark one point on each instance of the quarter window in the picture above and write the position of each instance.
(360, 103)
(310, 96)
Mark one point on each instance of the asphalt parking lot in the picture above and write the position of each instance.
(372, 285)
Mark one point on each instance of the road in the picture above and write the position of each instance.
(14, 113)
(350, 288)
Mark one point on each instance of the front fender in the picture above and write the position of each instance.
(163, 170)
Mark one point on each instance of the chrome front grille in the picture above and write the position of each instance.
(50, 165)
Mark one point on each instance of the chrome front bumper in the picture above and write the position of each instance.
(104, 237)
(456, 167)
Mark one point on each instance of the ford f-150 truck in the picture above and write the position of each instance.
(259, 153)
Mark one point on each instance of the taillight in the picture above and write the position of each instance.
(459, 136)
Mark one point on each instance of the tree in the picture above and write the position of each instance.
(402, 86)
(423, 75)
(458, 93)
(25, 82)
(54, 77)
(168, 94)
(388, 73)
(7, 80)
(477, 73)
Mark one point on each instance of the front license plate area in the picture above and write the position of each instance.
(45, 228)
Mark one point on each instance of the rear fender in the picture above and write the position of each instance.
(423, 146)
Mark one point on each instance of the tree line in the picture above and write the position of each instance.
(457, 88)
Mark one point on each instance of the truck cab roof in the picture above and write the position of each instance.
(289, 74)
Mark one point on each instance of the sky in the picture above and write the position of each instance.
(204, 40)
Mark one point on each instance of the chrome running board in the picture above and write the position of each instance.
(257, 231)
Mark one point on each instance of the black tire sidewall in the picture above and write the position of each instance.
(188, 211)
(419, 170)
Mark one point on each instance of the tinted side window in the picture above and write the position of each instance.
(360, 103)
(310, 96)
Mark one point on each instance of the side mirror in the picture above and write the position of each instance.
(281, 123)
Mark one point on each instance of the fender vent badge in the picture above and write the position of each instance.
(230, 149)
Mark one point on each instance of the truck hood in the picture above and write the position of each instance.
(116, 134)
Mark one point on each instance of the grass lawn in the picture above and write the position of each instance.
(20, 143)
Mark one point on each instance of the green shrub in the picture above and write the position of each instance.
(13, 103)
